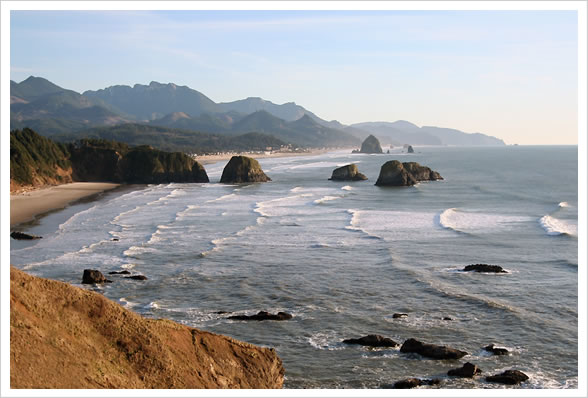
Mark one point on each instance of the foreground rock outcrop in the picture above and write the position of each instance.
(394, 173)
(243, 169)
(62, 336)
(431, 350)
(371, 145)
(347, 173)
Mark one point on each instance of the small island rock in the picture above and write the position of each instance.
(394, 173)
(262, 316)
(94, 276)
(372, 340)
(414, 382)
(347, 173)
(508, 377)
(371, 145)
(496, 350)
(399, 315)
(467, 370)
(123, 272)
(137, 277)
(484, 268)
(409, 149)
(431, 350)
(243, 169)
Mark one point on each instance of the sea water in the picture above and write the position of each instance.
(343, 257)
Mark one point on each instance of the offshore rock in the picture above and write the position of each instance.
(508, 377)
(137, 277)
(371, 145)
(394, 173)
(94, 276)
(431, 350)
(347, 173)
(399, 315)
(123, 272)
(243, 169)
(262, 316)
(484, 268)
(22, 236)
(409, 149)
(65, 337)
(372, 340)
(467, 370)
(496, 350)
(414, 382)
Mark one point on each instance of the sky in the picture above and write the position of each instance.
(510, 74)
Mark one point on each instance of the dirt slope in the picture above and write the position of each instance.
(62, 336)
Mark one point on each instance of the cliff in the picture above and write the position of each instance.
(62, 336)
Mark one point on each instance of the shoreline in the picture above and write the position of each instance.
(210, 159)
(26, 206)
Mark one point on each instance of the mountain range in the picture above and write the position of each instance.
(52, 110)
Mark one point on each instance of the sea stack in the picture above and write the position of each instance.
(371, 145)
(243, 169)
(394, 173)
(347, 173)
(409, 149)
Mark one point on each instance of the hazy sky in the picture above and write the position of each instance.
(511, 74)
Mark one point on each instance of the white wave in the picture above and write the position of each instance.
(317, 165)
(153, 304)
(564, 204)
(462, 221)
(554, 226)
(347, 188)
(326, 199)
(224, 197)
(296, 189)
(325, 341)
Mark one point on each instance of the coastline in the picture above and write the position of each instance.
(209, 159)
(27, 205)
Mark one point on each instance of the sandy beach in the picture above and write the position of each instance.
(25, 206)
(208, 159)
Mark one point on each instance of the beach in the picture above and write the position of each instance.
(209, 159)
(25, 206)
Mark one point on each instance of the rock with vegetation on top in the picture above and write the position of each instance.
(484, 268)
(347, 173)
(508, 377)
(394, 173)
(262, 316)
(431, 350)
(65, 337)
(22, 236)
(371, 145)
(94, 276)
(243, 169)
(372, 340)
(467, 370)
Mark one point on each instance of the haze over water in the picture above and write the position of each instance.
(343, 257)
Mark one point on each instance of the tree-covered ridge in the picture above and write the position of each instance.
(37, 160)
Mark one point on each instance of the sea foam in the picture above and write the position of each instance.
(554, 226)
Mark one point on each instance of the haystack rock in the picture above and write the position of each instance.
(65, 337)
(394, 173)
(243, 169)
(409, 149)
(371, 145)
(347, 173)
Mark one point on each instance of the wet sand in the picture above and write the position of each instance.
(25, 206)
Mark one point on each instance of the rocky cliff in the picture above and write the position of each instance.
(62, 336)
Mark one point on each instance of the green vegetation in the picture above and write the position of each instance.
(33, 156)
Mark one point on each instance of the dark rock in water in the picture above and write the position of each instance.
(124, 272)
(347, 173)
(508, 377)
(137, 277)
(114, 239)
(484, 268)
(414, 382)
(221, 312)
(22, 236)
(399, 315)
(263, 316)
(243, 169)
(431, 350)
(394, 173)
(496, 350)
(409, 149)
(372, 340)
(371, 145)
(467, 370)
(447, 318)
(388, 151)
(94, 276)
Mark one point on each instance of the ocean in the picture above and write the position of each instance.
(343, 257)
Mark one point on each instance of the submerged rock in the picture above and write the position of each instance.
(371, 145)
(467, 370)
(394, 173)
(372, 340)
(347, 173)
(263, 316)
(414, 382)
(496, 350)
(484, 268)
(124, 272)
(399, 315)
(431, 350)
(243, 169)
(137, 277)
(508, 377)
(22, 236)
(94, 276)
